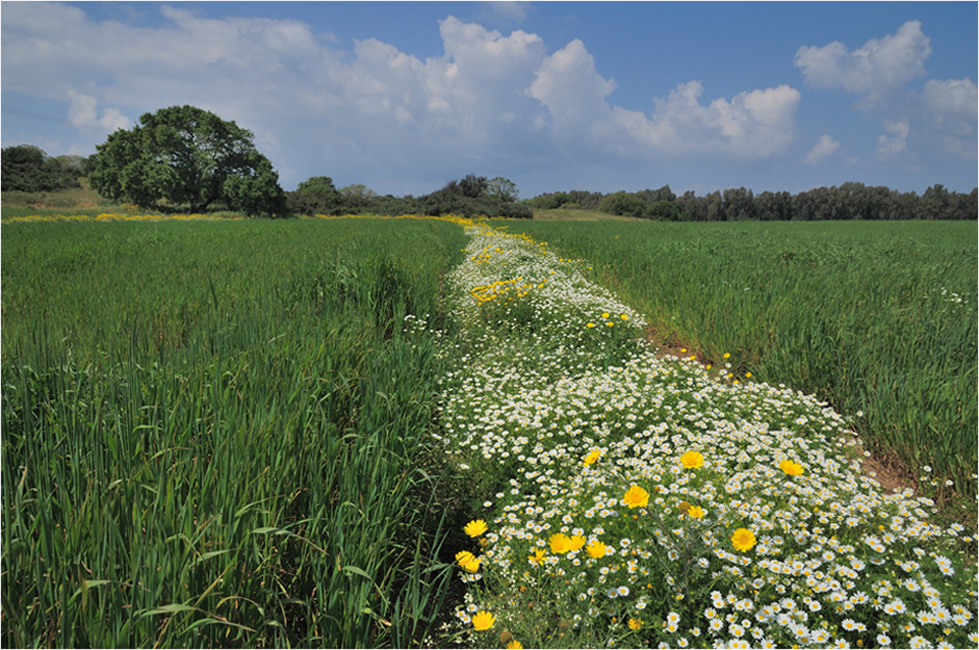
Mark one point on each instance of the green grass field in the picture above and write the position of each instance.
(269, 433)
(217, 433)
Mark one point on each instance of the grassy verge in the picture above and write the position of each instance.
(632, 500)
(217, 433)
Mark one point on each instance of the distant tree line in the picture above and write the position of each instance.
(26, 168)
(183, 157)
(846, 202)
(469, 197)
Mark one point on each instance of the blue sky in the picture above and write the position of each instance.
(600, 96)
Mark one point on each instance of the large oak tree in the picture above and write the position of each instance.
(190, 157)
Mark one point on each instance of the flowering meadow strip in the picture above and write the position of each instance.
(641, 501)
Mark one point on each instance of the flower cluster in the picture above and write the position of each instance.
(641, 500)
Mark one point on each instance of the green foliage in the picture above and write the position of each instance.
(664, 211)
(652, 196)
(849, 201)
(468, 198)
(472, 196)
(503, 189)
(552, 201)
(26, 168)
(623, 203)
(316, 195)
(217, 434)
(472, 186)
(317, 185)
(357, 192)
(186, 156)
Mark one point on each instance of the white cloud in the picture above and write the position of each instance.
(825, 147)
(82, 114)
(755, 124)
(937, 122)
(950, 116)
(489, 99)
(573, 91)
(889, 147)
(878, 67)
(951, 98)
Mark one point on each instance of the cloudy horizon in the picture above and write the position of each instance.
(538, 93)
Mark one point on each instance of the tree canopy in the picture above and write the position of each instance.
(27, 168)
(848, 201)
(186, 156)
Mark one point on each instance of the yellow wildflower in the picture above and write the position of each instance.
(696, 512)
(468, 561)
(475, 528)
(743, 539)
(483, 621)
(538, 557)
(791, 468)
(636, 497)
(560, 543)
(593, 456)
(596, 549)
(692, 459)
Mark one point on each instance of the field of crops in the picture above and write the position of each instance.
(217, 433)
(265, 433)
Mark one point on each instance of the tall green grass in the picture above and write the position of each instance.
(216, 434)
(876, 318)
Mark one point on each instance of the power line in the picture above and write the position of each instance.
(36, 116)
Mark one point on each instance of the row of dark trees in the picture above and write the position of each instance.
(471, 196)
(849, 201)
(26, 168)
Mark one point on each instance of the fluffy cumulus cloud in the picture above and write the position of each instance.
(881, 65)
(939, 121)
(825, 147)
(83, 114)
(752, 124)
(489, 98)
